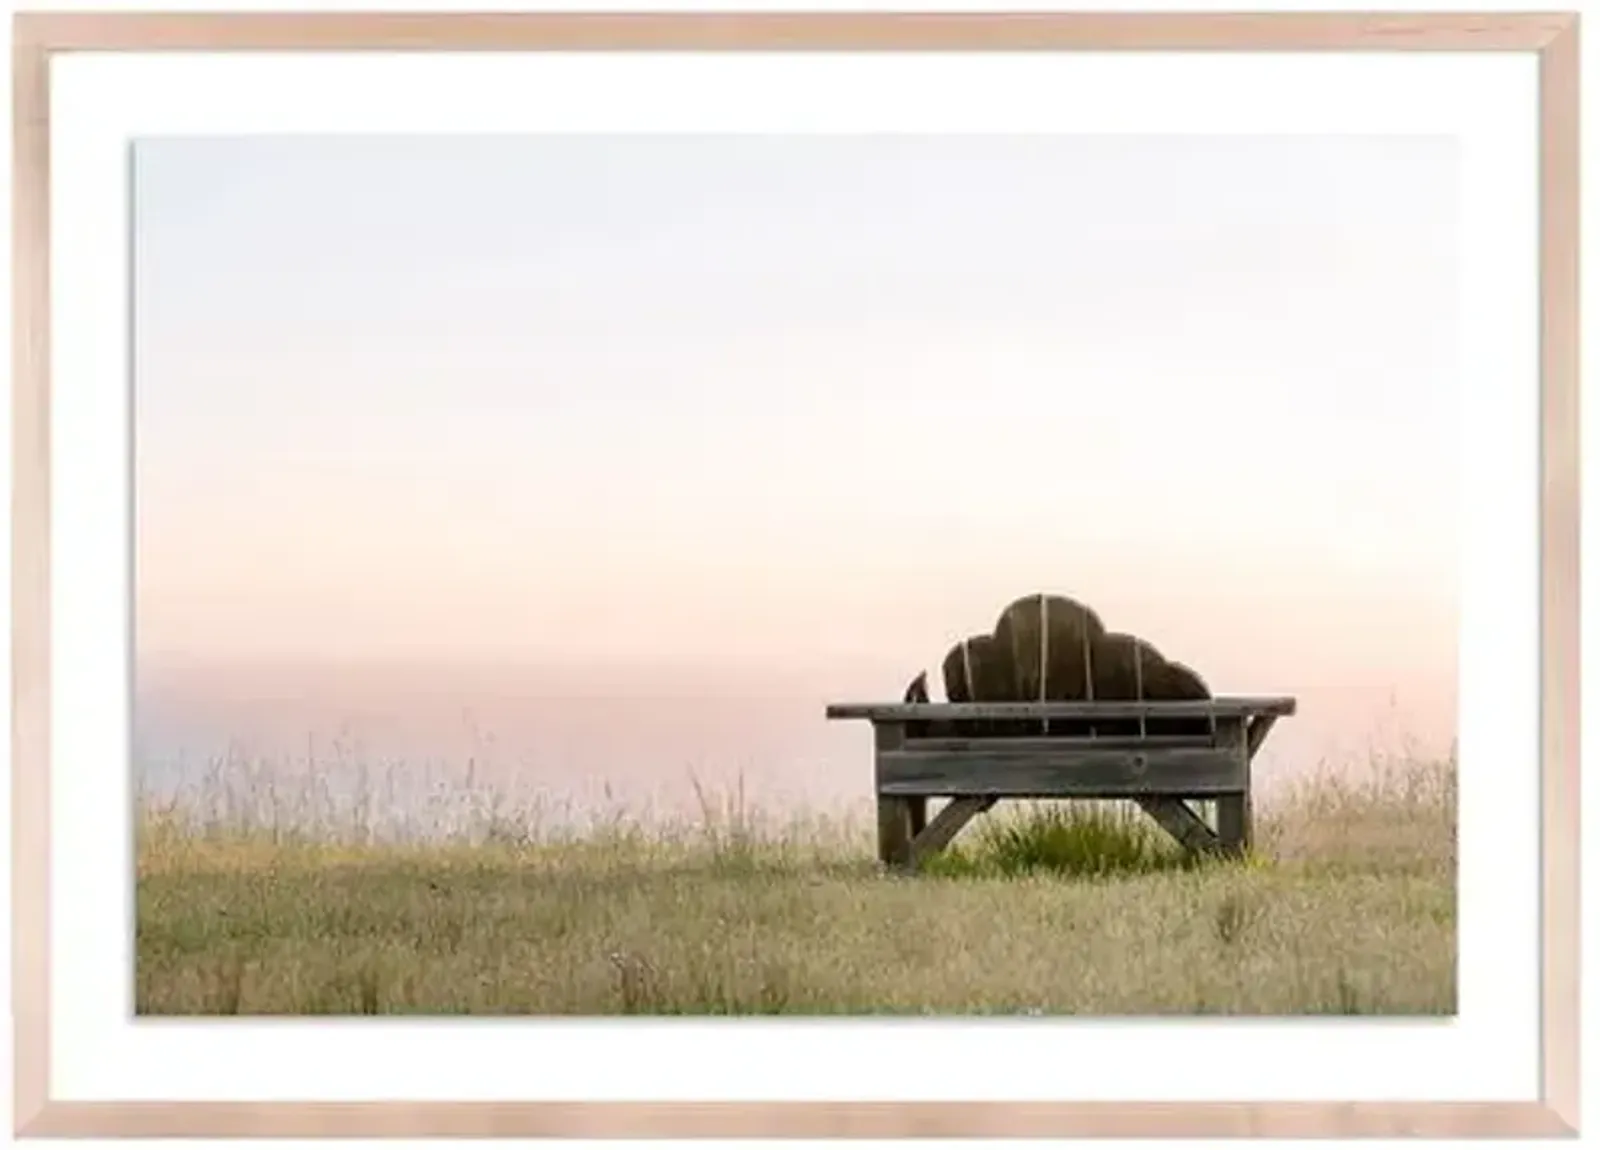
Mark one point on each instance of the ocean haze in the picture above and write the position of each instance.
(581, 742)
(597, 460)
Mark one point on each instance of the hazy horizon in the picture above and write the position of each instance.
(708, 431)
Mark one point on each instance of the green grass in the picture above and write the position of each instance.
(1086, 840)
(1347, 906)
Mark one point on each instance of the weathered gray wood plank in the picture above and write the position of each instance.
(1233, 822)
(1105, 709)
(1235, 816)
(1158, 772)
(946, 825)
(894, 812)
(1053, 744)
(1178, 771)
(1179, 821)
(1257, 732)
(917, 809)
(894, 830)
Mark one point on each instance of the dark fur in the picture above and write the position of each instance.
(917, 692)
(1077, 653)
(993, 679)
(1178, 681)
(1070, 624)
(1124, 668)
(1057, 672)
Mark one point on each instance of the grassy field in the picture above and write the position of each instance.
(1348, 907)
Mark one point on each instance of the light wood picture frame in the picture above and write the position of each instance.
(1553, 37)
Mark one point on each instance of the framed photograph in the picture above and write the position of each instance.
(755, 573)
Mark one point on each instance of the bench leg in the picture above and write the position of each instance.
(946, 825)
(919, 814)
(1234, 818)
(894, 831)
(1178, 819)
(1234, 815)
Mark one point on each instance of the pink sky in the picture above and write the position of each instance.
(804, 411)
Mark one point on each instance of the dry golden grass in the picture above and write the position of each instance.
(1349, 906)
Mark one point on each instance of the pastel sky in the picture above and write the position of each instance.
(800, 406)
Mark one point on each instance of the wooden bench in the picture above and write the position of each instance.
(917, 758)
